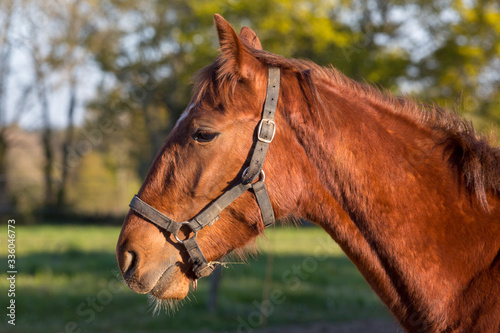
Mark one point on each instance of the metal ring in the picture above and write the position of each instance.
(177, 238)
(262, 174)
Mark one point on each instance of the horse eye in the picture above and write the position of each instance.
(204, 136)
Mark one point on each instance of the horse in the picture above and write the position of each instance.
(409, 191)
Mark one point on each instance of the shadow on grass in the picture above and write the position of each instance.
(76, 291)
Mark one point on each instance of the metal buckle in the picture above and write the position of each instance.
(182, 241)
(262, 175)
(259, 130)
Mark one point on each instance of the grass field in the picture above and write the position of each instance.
(68, 281)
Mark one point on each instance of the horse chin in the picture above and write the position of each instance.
(172, 285)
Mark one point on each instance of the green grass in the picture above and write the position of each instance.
(68, 281)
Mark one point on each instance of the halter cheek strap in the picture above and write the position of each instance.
(265, 134)
(266, 128)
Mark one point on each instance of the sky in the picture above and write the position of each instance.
(21, 75)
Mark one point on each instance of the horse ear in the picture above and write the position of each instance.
(249, 37)
(236, 56)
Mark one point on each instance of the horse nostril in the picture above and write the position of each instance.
(128, 263)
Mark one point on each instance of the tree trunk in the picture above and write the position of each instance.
(5, 55)
(68, 141)
(48, 167)
(46, 137)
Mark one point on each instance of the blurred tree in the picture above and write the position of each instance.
(150, 67)
(147, 52)
(465, 65)
(88, 183)
(41, 72)
(70, 51)
(150, 62)
(10, 113)
(68, 54)
(6, 13)
(60, 39)
(39, 23)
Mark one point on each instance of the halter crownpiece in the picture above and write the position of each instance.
(265, 134)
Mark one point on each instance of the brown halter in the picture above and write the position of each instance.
(265, 134)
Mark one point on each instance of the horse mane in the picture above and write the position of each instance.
(470, 153)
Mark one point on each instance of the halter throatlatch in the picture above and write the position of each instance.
(265, 134)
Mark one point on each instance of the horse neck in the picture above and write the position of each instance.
(377, 185)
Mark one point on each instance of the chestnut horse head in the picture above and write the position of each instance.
(213, 155)
(409, 191)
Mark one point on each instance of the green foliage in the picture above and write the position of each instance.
(101, 187)
(62, 269)
(96, 183)
(464, 70)
(374, 41)
(170, 40)
(445, 52)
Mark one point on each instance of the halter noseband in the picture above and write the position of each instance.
(265, 134)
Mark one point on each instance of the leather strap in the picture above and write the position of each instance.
(154, 215)
(210, 213)
(266, 128)
(266, 209)
(201, 267)
(265, 134)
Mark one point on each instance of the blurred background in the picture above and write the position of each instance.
(90, 89)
